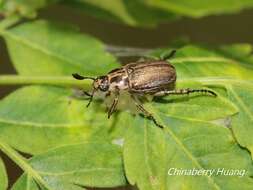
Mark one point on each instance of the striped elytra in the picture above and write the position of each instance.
(143, 77)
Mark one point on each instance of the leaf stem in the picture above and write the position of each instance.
(66, 81)
(21, 162)
(44, 80)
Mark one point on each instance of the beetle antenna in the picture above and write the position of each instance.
(91, 97)
(79, 77)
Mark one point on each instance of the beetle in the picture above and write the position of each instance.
(148, 77)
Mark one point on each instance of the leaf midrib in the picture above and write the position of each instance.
(42, 125)
(146, 158)
(188, 153)
(22, 163)
(77, 171)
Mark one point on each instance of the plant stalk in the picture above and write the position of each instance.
(65, 81)
(21, 162)
(44, 80)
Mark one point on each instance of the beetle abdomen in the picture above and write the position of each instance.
(151, 77)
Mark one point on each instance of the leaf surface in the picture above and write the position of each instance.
(227, 61)
(89, 164)
(242, 125)
(151, 156)
(199, 107)
(193, 139)
(36, 118)
(240, 93)
(234, 61)
(43, 48)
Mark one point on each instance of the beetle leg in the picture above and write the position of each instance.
(145, 112)
(166, 56)
(80, 94)
(91, 97)
(108, 94)
(184, 91)
(87, 93)
(114, 104)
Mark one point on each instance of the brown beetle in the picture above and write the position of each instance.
(154, 77)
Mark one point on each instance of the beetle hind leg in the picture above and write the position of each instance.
(184, 91)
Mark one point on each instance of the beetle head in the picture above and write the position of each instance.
(101, 83)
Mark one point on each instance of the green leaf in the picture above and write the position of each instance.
(235, 61)
(152, 12)
(241, 94)
(199, 8)
(43, 48)
(26, 182)
(3, 176)
(88, 164)
(131, 12)
(36, 118)
(150, 153)
(25, 8)
(194, 107)
(228, 61)
(54, 117)
(193, 140)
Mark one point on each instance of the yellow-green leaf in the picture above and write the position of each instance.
(152, 155)
(36, 118)
(44, 48)
(88, 164)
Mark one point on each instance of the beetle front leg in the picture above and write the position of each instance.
(114, 104)
(184, 91)
(145, 112)
(87, 93)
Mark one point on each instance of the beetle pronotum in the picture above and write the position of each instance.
(153, 77)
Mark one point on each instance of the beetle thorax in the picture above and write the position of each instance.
(119, 83)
